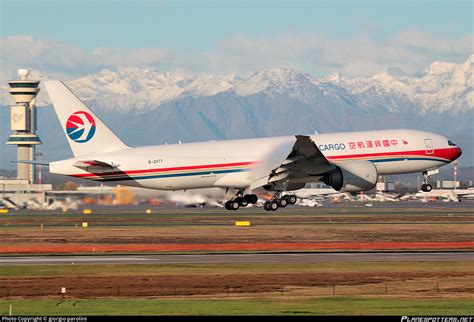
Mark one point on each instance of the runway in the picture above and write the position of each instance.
(241, 258)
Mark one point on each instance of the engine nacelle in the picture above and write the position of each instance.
(352, 176)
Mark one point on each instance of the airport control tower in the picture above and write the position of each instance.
(23, 123)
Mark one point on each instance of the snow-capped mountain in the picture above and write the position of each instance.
(442, 87)
(166, 107)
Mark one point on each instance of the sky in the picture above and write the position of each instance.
(69, 38)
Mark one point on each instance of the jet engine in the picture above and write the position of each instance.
(352, 176)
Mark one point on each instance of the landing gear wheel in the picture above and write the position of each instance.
(228, 205)
(266, 205)
(251, 198)
(273, 206)
(426, 187)
(282, 202)
(234, 205)
(243, 202)
(291, 199)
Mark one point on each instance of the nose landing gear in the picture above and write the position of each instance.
(426, 187)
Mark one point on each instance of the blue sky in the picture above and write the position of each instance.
(200, 36)
(201, 24)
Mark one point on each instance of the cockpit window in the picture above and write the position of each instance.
(451, 143)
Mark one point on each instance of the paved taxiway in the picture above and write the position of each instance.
(241, 258)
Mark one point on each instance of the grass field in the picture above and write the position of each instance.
(318, 306)
(356, 288)
(237, 268)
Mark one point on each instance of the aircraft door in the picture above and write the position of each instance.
(429, 146)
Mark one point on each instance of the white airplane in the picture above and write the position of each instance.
(447, 195)
(454, 195)
(193, 200)
(315, 194)
(304, 202)
(348, 162)
(7, 203)
(382, 196)
(63, 205)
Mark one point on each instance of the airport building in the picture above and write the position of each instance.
(23, 123)
(18, 192)
(447, 184)
(385, 186)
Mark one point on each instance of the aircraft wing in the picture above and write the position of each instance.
(95, 166)
(304, 159)
(305, 148)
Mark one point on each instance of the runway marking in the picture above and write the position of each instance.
(241, 258)
(68, 259)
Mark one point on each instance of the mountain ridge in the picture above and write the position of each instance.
(442, 86)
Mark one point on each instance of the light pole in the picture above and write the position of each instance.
(455, 164)
(40, 187)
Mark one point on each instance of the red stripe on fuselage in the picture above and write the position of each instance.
(194, 167)
(448, 153)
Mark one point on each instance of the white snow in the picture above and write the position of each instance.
(443, 86)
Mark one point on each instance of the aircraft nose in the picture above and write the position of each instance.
(456, 153)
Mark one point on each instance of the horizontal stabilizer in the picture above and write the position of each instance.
(95, 166)
(33, 162)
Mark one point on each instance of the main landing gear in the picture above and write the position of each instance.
(241, 201)
(426, 187)
(279, 202)
(271, 205)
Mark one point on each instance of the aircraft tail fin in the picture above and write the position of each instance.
(85, 132)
